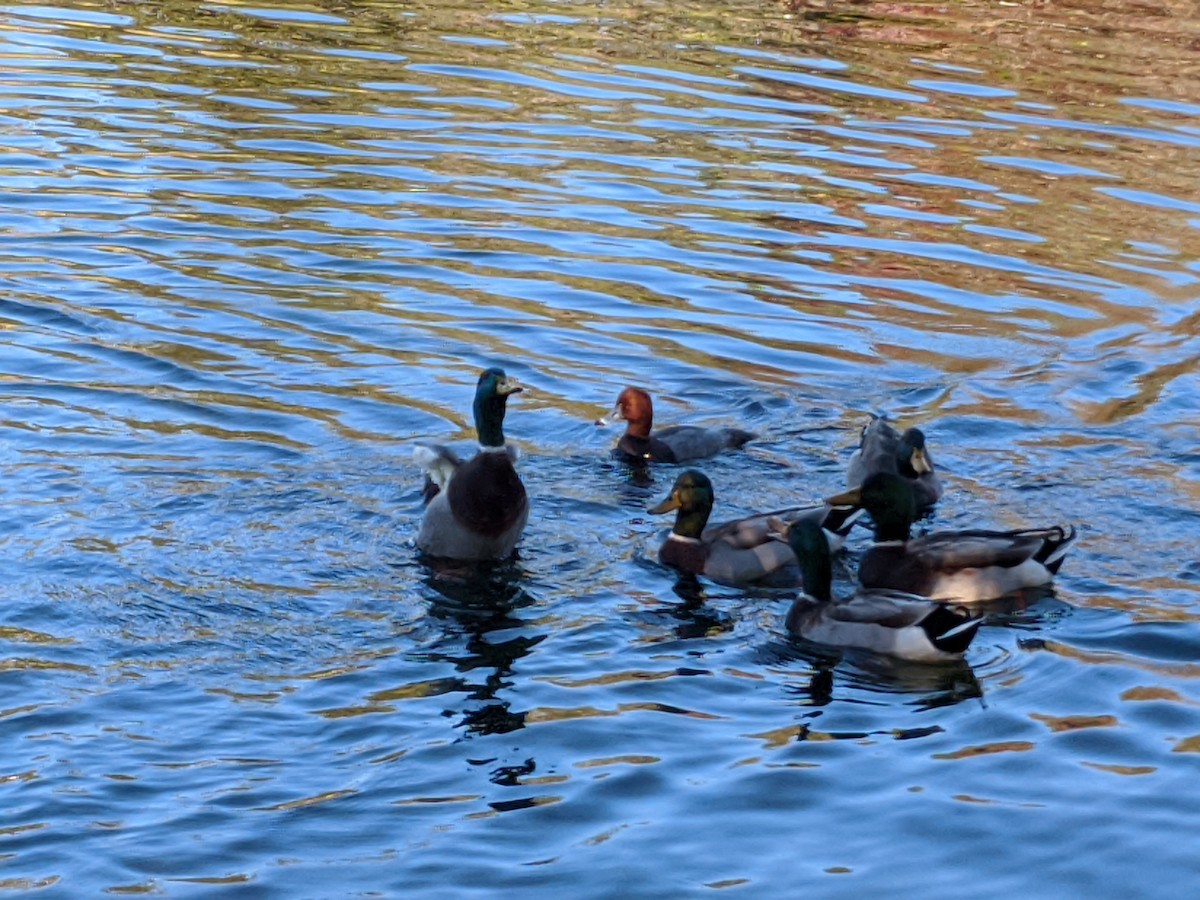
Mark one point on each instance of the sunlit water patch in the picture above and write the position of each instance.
(250, 252)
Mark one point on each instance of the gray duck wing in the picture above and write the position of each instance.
(698, 441)
(891, 609)
(770, 562)
(876, 452)
(751, 531)
(953, 550)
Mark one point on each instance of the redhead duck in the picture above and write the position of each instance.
(675, 444)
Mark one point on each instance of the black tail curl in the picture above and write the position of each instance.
(951, 628)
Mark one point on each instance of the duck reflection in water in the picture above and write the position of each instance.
(849, 674)
(635, 476)
(479, 603)
(696, 619)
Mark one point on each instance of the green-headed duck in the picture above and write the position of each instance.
(475, 509)
(744, 551)
(883, 621)
(963, 566)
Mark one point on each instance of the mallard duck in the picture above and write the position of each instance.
(882, 449)
(744, 551)
(676, 444)
(475, 509)
(964, 566)
(890, 622)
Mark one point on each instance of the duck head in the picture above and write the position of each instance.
(807, 540)
(911, 456)
(491, 397)
(692, 496)
(635, 408)
(890, 501)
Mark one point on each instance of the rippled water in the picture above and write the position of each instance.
(249, 253)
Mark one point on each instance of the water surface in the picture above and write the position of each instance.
(250, 253)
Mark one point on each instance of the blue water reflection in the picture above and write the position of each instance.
(249, 254)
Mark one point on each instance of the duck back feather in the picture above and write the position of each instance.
(439, 463)
(687, 442)
(486, 494)
(883, 449)
(888, 622)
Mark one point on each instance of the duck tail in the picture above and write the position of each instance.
(1054, 549)
(439, 464)
(739, 438)
(840, 519)
(870, 423)
(429, 490)
(951, 630)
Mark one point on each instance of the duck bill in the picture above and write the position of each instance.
(851, 497)
(920, 462)
(666, 506)
(616, 415)
(506, 386)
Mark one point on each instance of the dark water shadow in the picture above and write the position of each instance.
(635, 477)
(477, 608)
(860, 676)
(694, 616)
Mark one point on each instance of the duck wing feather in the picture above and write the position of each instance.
(952, 550)
(876, 452)
(697, 441)
(439, 464)
(891, 609)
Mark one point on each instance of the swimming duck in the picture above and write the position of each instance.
(475, 509)
(889, 622)
(676, 444)
(743, 551)
(964, 566)
(882, 449)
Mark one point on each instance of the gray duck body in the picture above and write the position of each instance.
(966, 566)
(891, 623)
(480, 515)
(883, 449)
